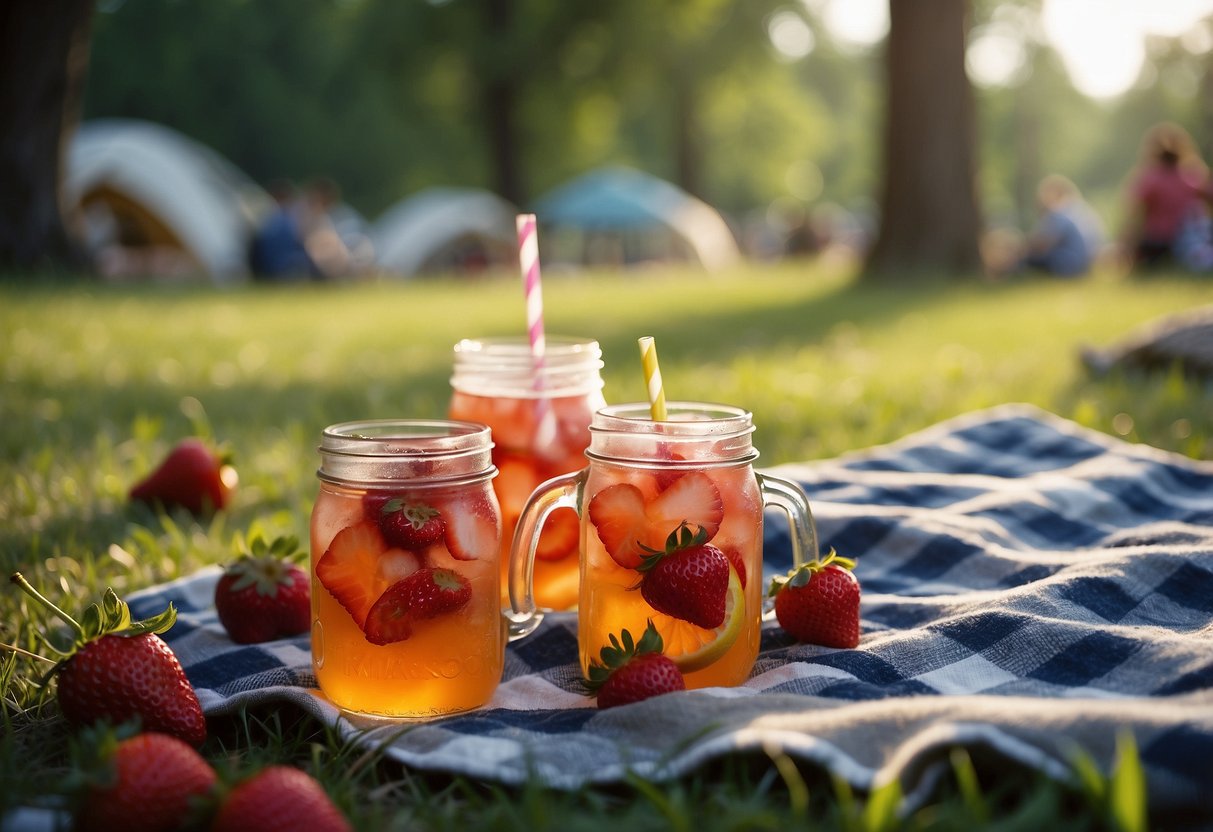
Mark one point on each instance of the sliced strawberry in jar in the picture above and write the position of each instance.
(348, 568)
(473, 526)
(560, 535)
(618, 515)
(693, 499)
(666, 477)
(427, 593)
(630, 526)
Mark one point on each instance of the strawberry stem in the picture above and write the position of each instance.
(29, 590)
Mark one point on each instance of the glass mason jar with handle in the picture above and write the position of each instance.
(671, 516)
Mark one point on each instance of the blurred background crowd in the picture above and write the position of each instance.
(303, 139)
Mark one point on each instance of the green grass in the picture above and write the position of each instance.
(97, 382)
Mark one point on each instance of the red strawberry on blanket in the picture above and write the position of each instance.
(192, 476)
(117, 669)
(818, 603)
(264, 595)
(279, 799)
(427, 593)
(688, 579)
(152, 781)
(632, 671)
(410, 524)
(628, 525)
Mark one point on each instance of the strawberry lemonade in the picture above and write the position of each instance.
(406, 535)
(672, 516)
(540, 422)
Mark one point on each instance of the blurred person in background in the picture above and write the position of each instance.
(1068, 235)
(298, 241)
(1167, 189)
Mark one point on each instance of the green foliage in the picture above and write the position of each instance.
(390, 97)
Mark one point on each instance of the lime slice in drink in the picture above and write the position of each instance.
(694, 648)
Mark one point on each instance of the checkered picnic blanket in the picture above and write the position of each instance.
(1029, 588)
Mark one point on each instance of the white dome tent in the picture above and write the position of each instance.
(164, 189)
(445, 230)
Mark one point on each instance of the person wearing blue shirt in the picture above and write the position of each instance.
(1068, 235)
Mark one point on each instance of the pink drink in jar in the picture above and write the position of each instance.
(540, 422)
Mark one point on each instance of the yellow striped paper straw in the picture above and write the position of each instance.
(652, 378)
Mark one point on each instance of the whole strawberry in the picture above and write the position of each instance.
(427, 593)
(688, 580)
(818, 603)
(279, 799)
(410, 524)
(151, 782)
(117, 670)
(631, 671)
(192, 476)
(263, 595)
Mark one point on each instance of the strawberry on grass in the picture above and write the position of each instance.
(151, 781)
(818, 602)
(116, 669)
(632, 671)
(193, 476)
(279, 799)
(264, 594)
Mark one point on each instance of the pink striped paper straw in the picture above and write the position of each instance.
(528, 260)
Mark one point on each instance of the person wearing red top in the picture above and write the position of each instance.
(1168, 189)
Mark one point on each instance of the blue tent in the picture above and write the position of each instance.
(630, 203)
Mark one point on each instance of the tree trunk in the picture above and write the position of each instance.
(687, 158)
(500, 104)
(43, 66)
(930, 221)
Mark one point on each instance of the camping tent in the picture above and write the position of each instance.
(163, 190)
(648, 217)
(445, 230)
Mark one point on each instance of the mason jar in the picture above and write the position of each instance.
(405, 548)
(540, 419)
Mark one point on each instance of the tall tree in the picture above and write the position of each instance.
(930, 216)
(43, 64)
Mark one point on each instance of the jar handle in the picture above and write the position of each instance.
(559, 492)
(790, 497)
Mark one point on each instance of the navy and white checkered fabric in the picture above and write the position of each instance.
(1029, 587)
